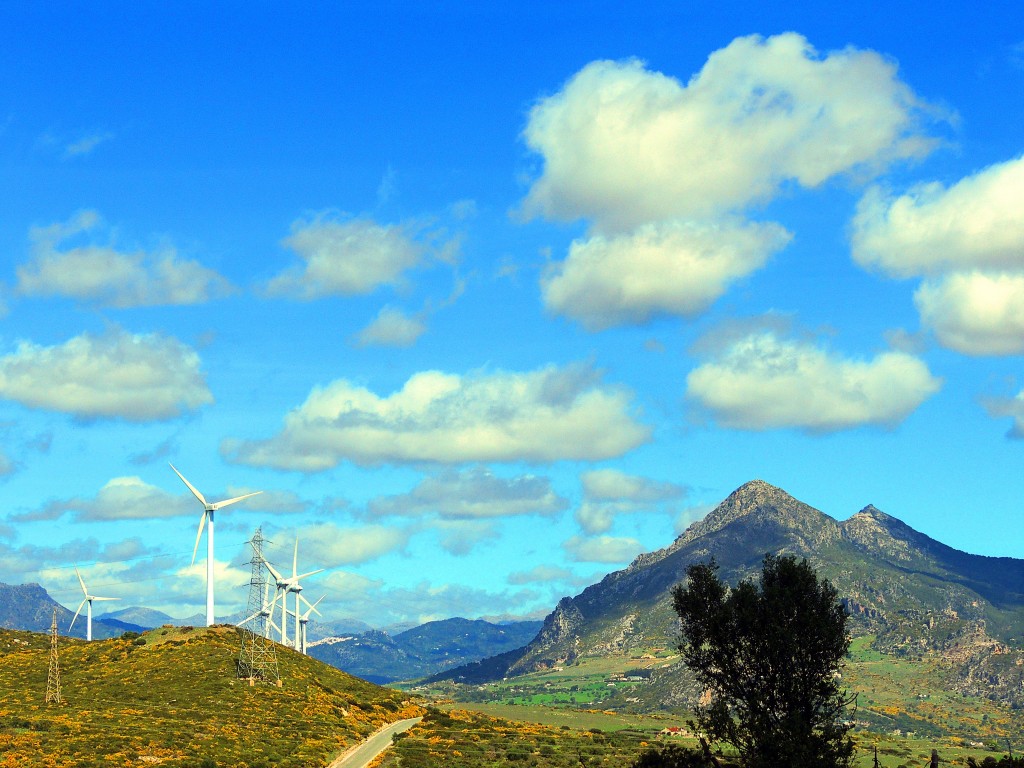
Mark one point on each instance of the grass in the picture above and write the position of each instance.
(172, 698)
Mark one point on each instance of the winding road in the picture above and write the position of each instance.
(361, 755)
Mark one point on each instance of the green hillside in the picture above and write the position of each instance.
(171, 697)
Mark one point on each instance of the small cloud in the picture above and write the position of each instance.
(460, 537)
(609, 493)
(540, 574)
(346, 257)
(463, 209)
(391, 328)
(474, 494)
(108, 277)
(602, 549)
(86, 144)
(691, 515)
(1008, 407)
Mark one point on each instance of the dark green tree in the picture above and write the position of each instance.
(769, 654)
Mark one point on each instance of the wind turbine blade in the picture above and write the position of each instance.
(84, 590)
(274, 573)
(311, 573)
(80, 605)
(220, 504)
(191, 487)
(295, 559)
(199, 535)
(106, 598)
(247, 619)
(312, 606)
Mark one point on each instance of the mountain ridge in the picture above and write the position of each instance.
(909, 594)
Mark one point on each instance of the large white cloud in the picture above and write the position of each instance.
(544, 415)
(764, 382)
(109, 277)
(115, 375)
(976, 223)
(968, 241)
(345, 257)
(974, 312)
(675, 267)
(623, 146)
(473, 494)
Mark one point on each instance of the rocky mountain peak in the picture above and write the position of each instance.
(875, 530)
(762, 502)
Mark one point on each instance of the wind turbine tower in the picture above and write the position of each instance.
(287, 585)
(88, 612)
(208, 511)
(304, 620)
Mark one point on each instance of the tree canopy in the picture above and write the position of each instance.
(768, 654)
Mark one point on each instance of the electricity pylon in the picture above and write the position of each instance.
(53, 678)
(257, 659)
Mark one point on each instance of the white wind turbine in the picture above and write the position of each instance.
(88, 611)
(266, 611)
(291, 584)
(304, 620)
(208, 510)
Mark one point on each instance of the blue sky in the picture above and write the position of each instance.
(487, 301)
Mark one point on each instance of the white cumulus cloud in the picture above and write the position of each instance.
(974, 312)
(544, 415)
(675, 267)
(967, 240)
(623, 145)
(346, 257)
(978, 223)
(109, 277)
(764, 382)
(117, 375)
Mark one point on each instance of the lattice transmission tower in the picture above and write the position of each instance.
(257, 658)
(53, 678)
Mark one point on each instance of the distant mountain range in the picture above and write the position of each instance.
(910, 595)
(424, 650)
(348, 644)
(29, 606)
